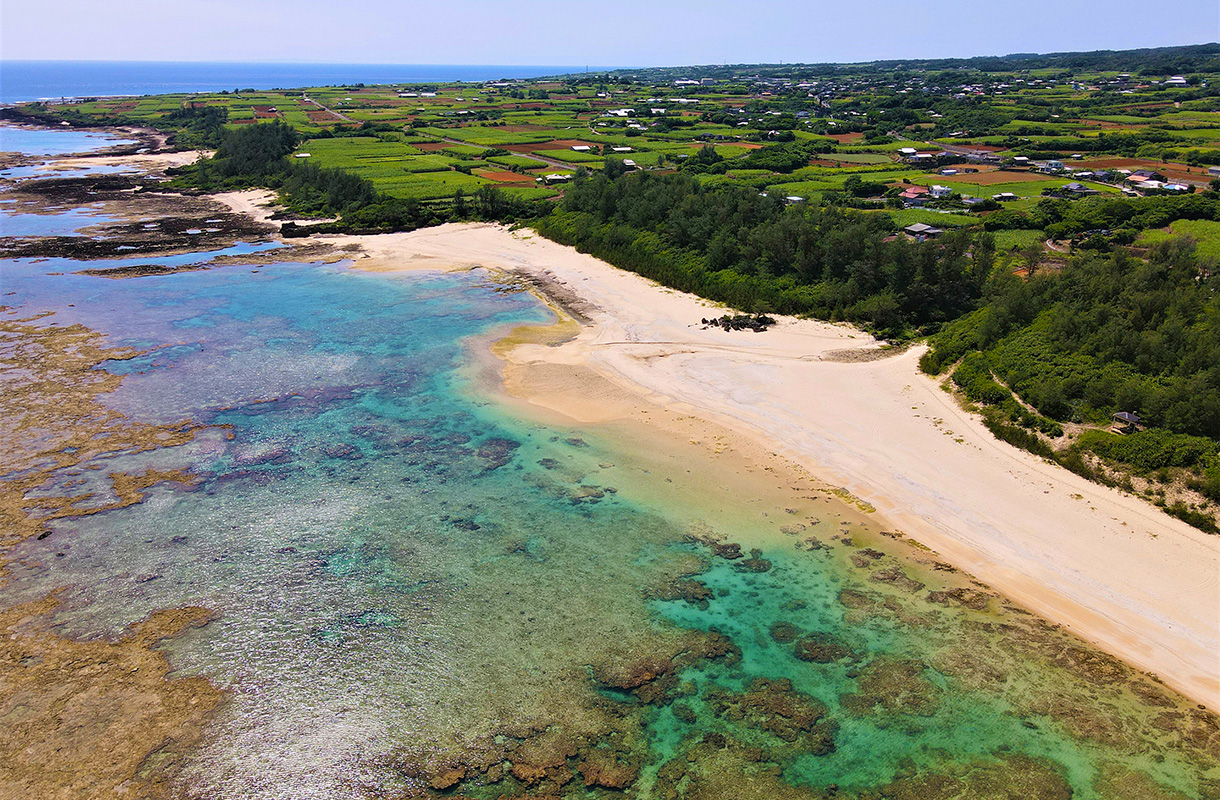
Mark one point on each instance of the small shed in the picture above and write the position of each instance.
(1125, 422)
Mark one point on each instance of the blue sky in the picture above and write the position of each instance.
(623, 32)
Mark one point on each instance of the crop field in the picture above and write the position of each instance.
(517, 161)
(909, 216)
(529, 192)
(429, 185)
(1026, 188)
(463, 150)
(571, 156)
(1205, 232)
(855, 158)
(428, 163)
(993, 178)
(1006, 241)
(418, 135)
(489, 137)
(504, 176)
(805, 189)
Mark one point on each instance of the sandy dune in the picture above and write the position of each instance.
(1111, 567)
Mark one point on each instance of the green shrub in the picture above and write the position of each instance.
(1149, 450)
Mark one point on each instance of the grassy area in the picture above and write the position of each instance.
(1009, 240)
(429, 185)
(572, 156)
(517, 161)
(909, 216)
(529, 192)
(806, 189)
(858, 158)
(464, 150)
(1205, 232)
(488, 137)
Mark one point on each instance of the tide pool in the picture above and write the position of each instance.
(51, 142)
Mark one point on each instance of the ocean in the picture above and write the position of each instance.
(22, 81)
(415, 584)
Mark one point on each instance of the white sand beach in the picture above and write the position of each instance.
(1109, 566)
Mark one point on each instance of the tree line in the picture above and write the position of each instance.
(761, 254)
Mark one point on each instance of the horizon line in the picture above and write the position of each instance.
(600, 67)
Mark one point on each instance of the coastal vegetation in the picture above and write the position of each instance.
(1107, 333)
(760, 254)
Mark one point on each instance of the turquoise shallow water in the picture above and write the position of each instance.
(405, 572)
(50, 142)
(67, 223)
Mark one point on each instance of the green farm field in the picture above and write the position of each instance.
(1205, 232)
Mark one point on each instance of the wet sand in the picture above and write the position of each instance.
(1110, 567)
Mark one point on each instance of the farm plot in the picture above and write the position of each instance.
(1206, 234)
(909, 216)
(571, 156)
(429, 185)
(516, 161)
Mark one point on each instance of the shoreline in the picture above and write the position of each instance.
(1109, 567)
(748, 490)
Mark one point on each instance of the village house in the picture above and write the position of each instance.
(921, 231)
(1074, 189)
(1145, 175)
(939, 191)
(914, 196)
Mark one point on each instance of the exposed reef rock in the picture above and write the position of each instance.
(820, 648)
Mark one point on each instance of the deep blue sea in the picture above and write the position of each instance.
(21, 81)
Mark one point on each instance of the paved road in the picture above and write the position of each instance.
(343, 117)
